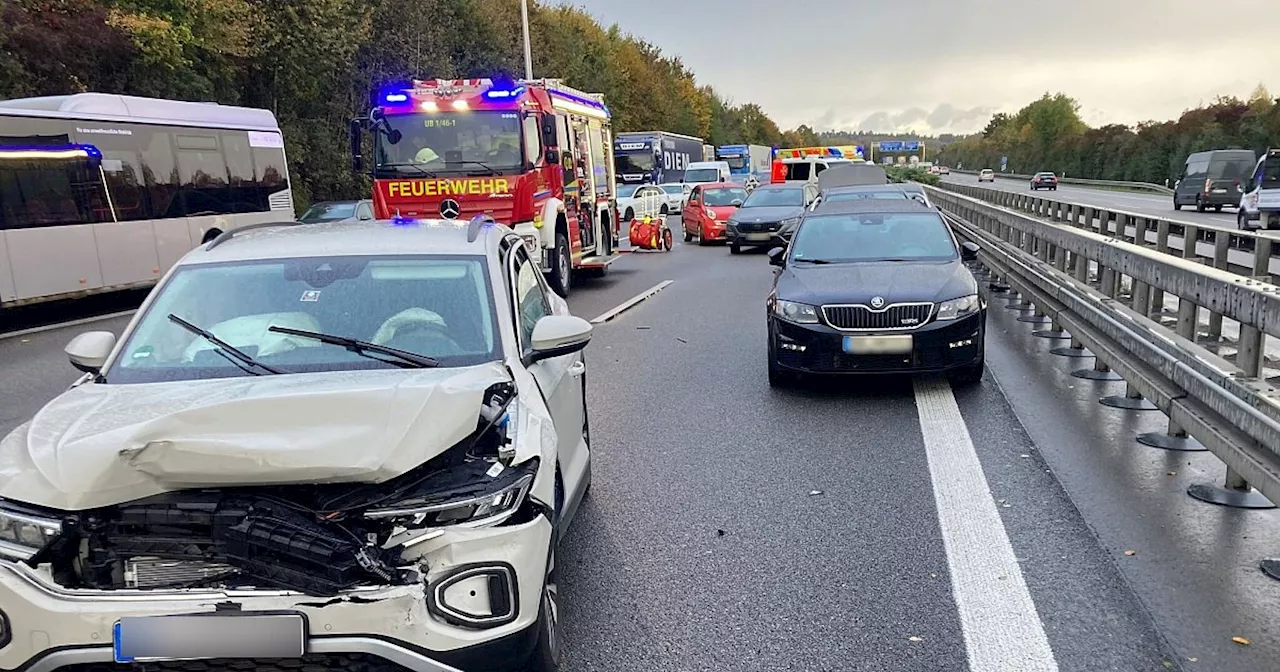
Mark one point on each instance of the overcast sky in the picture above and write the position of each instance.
(946, 66)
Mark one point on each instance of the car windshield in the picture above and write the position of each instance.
(702, 175)
(468, 143)
(769, 198)
(886, 194)
(735, 161)
(724, 196)
(328, 212)
(873, 237)
(628, 191)
(435, 306)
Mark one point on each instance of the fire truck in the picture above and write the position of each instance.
(536, 155)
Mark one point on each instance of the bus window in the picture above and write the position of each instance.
(49, 186)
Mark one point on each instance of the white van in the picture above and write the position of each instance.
(806, 170)
(706, 172)
(1261, 194)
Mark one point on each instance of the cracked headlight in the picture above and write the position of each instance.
(480, 494)
(22, 534)
(958, 308)
(800, 313)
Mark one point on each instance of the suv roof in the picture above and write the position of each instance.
(332, 239)
(873, 205)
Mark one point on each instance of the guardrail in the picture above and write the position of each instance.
(1100, 291)
(1109, 184)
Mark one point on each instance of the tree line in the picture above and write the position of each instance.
(1049, 134)
(314, 63)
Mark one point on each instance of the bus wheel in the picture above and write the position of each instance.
(561, 265)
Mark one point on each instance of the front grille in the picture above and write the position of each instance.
(757, 226)
(895, 317)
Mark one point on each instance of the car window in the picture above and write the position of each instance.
(627, 192)
(365, 211)
(531, 299)
(765, 197)
(839, 196)
(439, 306)
(725, 196)
(872, 237)
(328, 212)
(674, 189)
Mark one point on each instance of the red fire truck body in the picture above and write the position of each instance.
(535, 155)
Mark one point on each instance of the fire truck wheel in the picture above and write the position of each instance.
(561, 265)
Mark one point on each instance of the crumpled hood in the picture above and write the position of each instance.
(99, 445)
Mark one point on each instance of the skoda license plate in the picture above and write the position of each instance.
(216, 635)
(878, 345)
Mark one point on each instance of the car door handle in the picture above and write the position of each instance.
(577, 368)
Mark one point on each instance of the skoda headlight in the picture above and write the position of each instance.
(958, 308)
(23, 534)
(800, 313)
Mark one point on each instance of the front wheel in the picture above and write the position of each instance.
(735, 248)
(664, 211)
(1176, 204)
(561, 266)
(970, 374)
(629, 215)
(546, 652)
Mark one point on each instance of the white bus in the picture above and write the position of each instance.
(101, 192)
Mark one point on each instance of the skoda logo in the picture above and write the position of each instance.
(877, 302)
(449, 208)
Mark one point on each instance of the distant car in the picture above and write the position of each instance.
(875, 286)
(987, 175)
(338, 211)
(642, 200)
(710, 207)
(769, 215)
(1044, 181)
(943, 170)
(677, 194)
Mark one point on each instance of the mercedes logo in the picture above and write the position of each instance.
(449, 208)
(877, 302)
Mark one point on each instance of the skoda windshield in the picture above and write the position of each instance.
(432, 307)
(466, 143)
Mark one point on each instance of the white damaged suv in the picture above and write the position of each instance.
(340, 445)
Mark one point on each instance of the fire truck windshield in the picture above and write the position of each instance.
(454, 142)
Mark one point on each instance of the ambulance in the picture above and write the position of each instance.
(804, 164)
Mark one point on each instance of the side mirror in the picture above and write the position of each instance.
(557, 335)
(778, 256)
(969, 251)
(552, 156)
(89, 351)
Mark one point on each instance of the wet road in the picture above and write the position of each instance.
(734, 527)
(1151, 204)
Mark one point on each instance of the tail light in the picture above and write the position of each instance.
(1208, 183)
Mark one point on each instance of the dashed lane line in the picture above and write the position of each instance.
(1002, 630)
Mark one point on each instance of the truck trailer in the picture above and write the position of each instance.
(653, 157)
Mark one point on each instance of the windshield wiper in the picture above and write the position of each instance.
(482, 164)
(817, 261)
(402, 358)
(408, 164)
(225, 349)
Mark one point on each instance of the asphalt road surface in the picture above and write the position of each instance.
(884, 525)
(1151, 204)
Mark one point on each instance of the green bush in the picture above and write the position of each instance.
(911, 174)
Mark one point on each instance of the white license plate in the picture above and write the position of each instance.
(141, 638)
(878, 345)
(1219, 191)
(758, 236)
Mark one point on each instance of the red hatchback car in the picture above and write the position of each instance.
(707, 210)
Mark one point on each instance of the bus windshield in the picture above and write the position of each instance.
(470, 142)
(735, 161)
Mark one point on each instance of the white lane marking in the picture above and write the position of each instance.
(626, 305)
(1002, 630)
(61, 325)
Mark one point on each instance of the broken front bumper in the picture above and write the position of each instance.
(421, 627)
